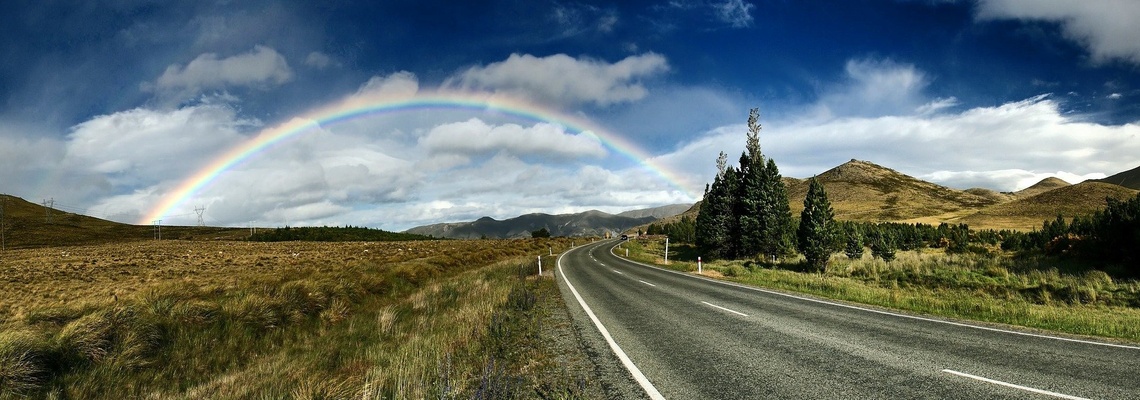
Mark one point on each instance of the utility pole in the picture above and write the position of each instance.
(200, 210)
(157, 229)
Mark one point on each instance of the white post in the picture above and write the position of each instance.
(626, 253)
(698, 265)
(666, 250)
(539, 265)
(551, 248)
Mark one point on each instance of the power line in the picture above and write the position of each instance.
(157, 229)
(200, 210)
(48, 204)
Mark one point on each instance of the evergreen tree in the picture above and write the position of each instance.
(775, 214)
(715, 221)
(750, 195)
(854, 248)
(884, 246)
(814, 235)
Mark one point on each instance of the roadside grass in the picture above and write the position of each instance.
(466, 322)
(1032, 292)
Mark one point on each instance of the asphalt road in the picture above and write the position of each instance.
(692, 338)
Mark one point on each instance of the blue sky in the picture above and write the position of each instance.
(107, 107)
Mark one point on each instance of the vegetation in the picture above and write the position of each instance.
(814, 236)
(541, 233)
(332, 234)
(273, 320)
(745, 212)
(683, 230)
(1031, 291)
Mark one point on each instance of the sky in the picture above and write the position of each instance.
(136, 110)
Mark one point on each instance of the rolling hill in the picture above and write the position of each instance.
(1045, 185)
(1029, 212)
(657, 212)
(1129, 179)
(26, 225)
(589, 223)
(864, 191)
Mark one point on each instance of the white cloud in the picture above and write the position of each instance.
(143, 146)
(401, 83)
(735, 13)
(1005, 147)
(543, 140)
(1115, 96)
(1107, 28)
(876, 87)
(260, 67)
(563, 79)
(319, 60)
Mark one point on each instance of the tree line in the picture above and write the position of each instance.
(333, 234)
(745, 214)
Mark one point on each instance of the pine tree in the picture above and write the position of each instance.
(775, 215)
(884, 246)
(715, 225)
(854, 248)
(750, 196)
(815, 231)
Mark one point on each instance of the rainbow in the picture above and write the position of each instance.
(356, 107)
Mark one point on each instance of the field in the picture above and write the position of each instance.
(1034, 293)
(180, 319)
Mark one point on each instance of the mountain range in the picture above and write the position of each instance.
(589, 223)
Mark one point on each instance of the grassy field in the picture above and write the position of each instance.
(439, 319)
(1031, 292)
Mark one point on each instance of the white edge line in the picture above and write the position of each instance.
(985, 328)
(725, 309)
(647, 283)
(1007, 384)
(625, 361)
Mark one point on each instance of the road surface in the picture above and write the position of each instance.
(686, 337)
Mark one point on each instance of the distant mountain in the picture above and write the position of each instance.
(1045, 185)
(1129, 179)
(580, 224)
(865, 191)
(657, 212)
(1029, 212)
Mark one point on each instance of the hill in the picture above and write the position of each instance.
(657, 212)
(1028, 213)
(864, 191)
(27, 225)
(1045, 185)
(589, 223)
(1129, 179)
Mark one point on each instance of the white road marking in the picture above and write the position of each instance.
(985, 328)
(725, 309)
(617, 271)
(647, 283)
(629, 365)
(1007, 384)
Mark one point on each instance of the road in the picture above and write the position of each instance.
(686, 337)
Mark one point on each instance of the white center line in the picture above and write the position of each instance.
(1007, 384)
(616, 271)
(725, 309)
(647, 283)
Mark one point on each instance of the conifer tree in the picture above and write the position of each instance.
(750, 192)
(775, 214)
(715, 221)
(854, 248)
(814, 235)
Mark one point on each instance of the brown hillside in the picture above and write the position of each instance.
(1045, 185)
(991, 194)
(1028, 213)
(1129, 179)
(864, 191)
(26, 225)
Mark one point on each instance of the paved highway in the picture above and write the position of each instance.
(686, 337)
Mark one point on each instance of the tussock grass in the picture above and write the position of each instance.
(1030, 292)
(397, 320)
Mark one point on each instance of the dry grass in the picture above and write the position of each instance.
(240, 320)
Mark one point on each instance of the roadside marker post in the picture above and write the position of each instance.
(666, 251)
(626, 253)
(551, 249)
(539, 265)
(699, 265)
